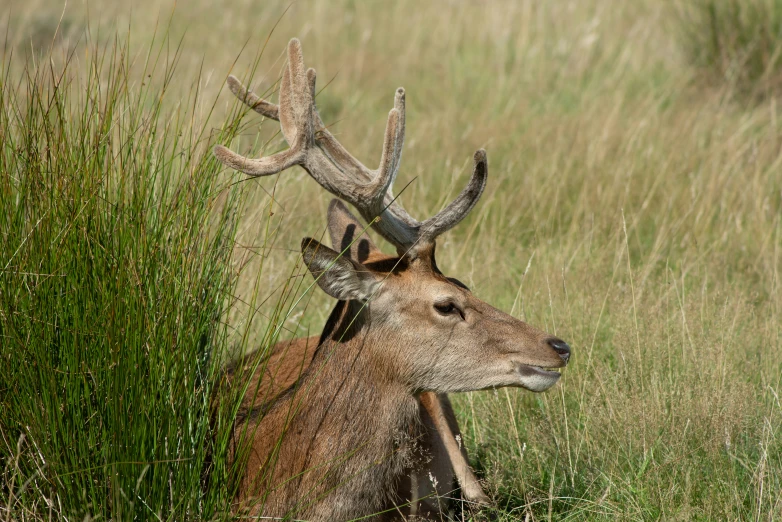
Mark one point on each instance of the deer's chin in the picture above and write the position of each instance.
(536, 379)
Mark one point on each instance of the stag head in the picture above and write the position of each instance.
(431, 330)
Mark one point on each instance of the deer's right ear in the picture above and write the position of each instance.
(337, 275)
(347, 233)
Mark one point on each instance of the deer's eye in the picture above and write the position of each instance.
(448, 309)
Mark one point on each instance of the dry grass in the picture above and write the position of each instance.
(629, 210)
(735, 43)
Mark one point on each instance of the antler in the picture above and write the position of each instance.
(316, 150)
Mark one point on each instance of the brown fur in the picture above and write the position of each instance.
(447, 458)
(274, 375)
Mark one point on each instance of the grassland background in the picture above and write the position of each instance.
(633, 208)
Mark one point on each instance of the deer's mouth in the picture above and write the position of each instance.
(536, 378)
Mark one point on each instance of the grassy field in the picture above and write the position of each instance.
(633, 208)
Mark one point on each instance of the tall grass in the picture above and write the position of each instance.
(115, 274)
(734, 44)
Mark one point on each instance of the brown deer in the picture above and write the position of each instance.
(338, 444)
(286, 361)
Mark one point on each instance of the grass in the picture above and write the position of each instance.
(735, 44)
(116, 252)
(632, 209)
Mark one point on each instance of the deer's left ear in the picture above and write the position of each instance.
(347, 233)
(338, 275)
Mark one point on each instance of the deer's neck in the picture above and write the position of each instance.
(352, 430)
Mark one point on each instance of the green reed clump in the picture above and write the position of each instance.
(115, 251)
(735, 43)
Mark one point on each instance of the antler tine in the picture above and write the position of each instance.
(252, 100)
(303, 102)
(264, 107)
(258, 167)
(289, 110)
(451, 215)
(399, 105)
(376, 189)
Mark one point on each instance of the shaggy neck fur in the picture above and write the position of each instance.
(350, 431)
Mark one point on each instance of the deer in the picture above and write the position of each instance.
(283, 365)
(287, 359)
(342, 442)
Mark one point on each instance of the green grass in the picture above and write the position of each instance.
(632, 209)
(116, 257)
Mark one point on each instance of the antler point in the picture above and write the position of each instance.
(294, 48)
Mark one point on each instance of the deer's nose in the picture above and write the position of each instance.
(561, 347)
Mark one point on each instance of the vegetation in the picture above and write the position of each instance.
(116, 250)
(735, 44)
(632, 209)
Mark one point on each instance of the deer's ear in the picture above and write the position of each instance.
(337, 275)
(347, 233)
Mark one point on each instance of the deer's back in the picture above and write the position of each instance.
(274, 374)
